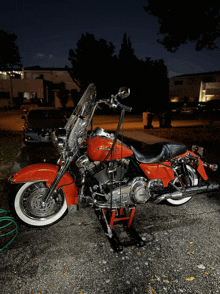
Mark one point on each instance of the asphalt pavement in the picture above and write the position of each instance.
(181, 254)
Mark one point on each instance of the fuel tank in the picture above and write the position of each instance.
(98, 149)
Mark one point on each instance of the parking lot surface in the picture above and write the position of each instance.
(181, 254)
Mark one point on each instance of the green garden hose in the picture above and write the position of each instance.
(7, 221)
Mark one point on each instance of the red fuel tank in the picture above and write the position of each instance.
(98, 148)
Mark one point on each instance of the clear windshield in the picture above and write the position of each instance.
(80, 119)
(84, 105)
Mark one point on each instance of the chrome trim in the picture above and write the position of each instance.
(189, 192)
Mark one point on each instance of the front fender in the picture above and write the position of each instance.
(44, 172)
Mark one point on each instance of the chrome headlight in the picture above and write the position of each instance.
(59, 138)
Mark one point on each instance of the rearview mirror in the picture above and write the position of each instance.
(124, 92)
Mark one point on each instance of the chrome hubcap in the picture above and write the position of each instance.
(32, 202)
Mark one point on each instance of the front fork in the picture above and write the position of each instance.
(55, 182)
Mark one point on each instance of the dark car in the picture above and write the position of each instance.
(190, 107)
(41, 122)
(26, 107)
(209, 106)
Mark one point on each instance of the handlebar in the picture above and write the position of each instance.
(125, 107)
(113, 103)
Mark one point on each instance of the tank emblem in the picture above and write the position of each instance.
(107, 149)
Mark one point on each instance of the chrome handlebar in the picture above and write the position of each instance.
(113, 103)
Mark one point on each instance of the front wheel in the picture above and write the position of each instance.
(193, 178)
(28, 205)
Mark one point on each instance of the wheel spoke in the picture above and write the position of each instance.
(30, 208)
(32, 205)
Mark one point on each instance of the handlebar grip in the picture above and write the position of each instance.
(125, 107)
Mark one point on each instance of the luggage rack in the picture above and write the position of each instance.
(118, 227)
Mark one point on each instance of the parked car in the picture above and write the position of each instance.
(40, 122)
(209, 106)
(26, 107)
(189, 107)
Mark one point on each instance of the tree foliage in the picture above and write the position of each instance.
(9, 53)
(186, 21)
(63, 94)
(75, 96)
(126, 53)
(93, 61)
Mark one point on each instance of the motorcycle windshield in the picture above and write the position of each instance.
(79, 121)
(84, 106)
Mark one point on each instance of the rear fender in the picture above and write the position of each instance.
(44, 172)
(200, 169)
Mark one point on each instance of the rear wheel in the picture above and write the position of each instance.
(28, 205)
(193, 182)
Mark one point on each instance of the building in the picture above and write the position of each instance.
(200, 87)
(42, 85)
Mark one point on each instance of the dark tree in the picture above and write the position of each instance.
(158, 84)
(149, 84)
(128, 70)
(92, 62)
(63, 94)
(75, 96)
(9, 54)
(126, 53)
(187, 21)
(146, 78)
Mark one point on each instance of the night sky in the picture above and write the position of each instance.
(47, 29)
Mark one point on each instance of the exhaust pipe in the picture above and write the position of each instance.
(188, 192)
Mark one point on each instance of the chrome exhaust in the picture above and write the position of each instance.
(188, 192)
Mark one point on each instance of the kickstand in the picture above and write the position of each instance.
(123, 234)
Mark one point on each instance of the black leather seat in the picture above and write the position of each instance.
(159, 152)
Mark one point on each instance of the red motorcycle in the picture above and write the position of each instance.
(113, 176)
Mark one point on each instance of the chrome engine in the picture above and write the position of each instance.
(135, 191)
(110, 186)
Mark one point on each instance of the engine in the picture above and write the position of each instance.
(110, 183)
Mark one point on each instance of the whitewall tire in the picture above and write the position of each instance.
(29, 209)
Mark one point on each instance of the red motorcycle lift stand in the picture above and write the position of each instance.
(123, 234)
